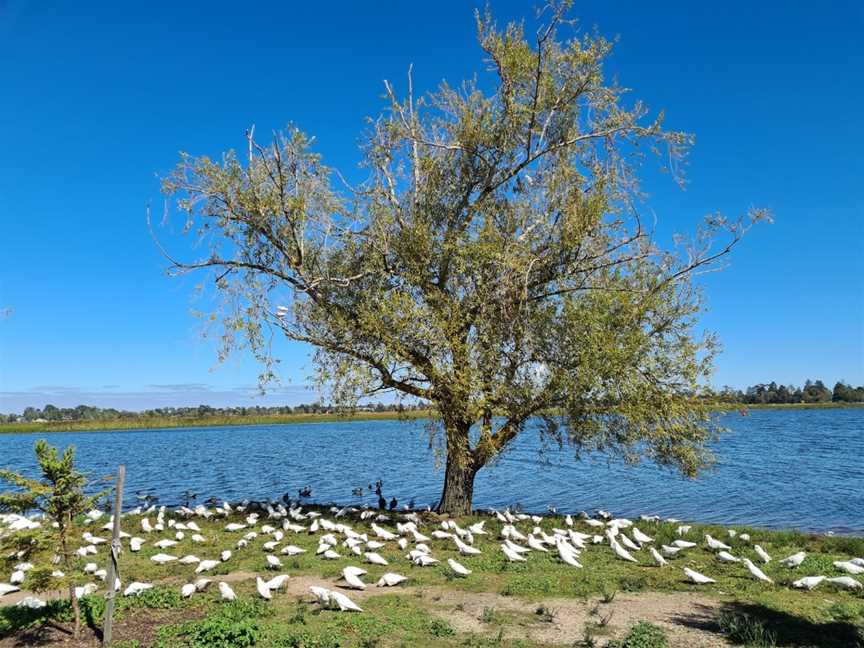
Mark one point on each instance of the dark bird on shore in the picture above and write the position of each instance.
(382, 503)
(146, 499)
(393, 504)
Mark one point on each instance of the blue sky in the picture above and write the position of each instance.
(98, 98)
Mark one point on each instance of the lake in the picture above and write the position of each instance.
(778, 469)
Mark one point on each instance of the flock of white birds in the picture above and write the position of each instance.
(274, 525)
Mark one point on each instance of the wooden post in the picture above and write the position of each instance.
(113, 568)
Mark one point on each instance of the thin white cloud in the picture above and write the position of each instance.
(181, 387)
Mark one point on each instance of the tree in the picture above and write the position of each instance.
(844, 393)
(816, 392)
(494, 264)
(841, 392)
(51, 413)
(60, 497)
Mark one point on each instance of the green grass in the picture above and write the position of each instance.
(741, 628)
(642, 635)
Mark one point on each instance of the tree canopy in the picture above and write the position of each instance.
(494, 263)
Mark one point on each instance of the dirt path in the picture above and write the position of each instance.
(687, 618)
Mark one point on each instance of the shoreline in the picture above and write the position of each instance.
(164, 423)
(115, 425)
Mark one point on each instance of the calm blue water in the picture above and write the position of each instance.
(792, 468)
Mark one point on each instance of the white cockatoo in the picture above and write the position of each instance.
(698, 578)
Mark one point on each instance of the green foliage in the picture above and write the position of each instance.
(232, 625)
(742, 628)
(642, 635)
(157, 598)
(440, 628)
(634, 583)
(92, 609)
(494, 264)
(39, 579)
(307, 639)
(844, 393)
(223, 633)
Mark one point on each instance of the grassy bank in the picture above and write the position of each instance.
(150, 423)
(155, 422)
(540, 602)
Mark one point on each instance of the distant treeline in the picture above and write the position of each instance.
(50, 413)
(813, 391)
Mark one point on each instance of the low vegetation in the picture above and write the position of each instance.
(643, 635)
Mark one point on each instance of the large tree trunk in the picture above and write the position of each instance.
(458, 484)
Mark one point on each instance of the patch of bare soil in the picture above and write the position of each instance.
(687, 619)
